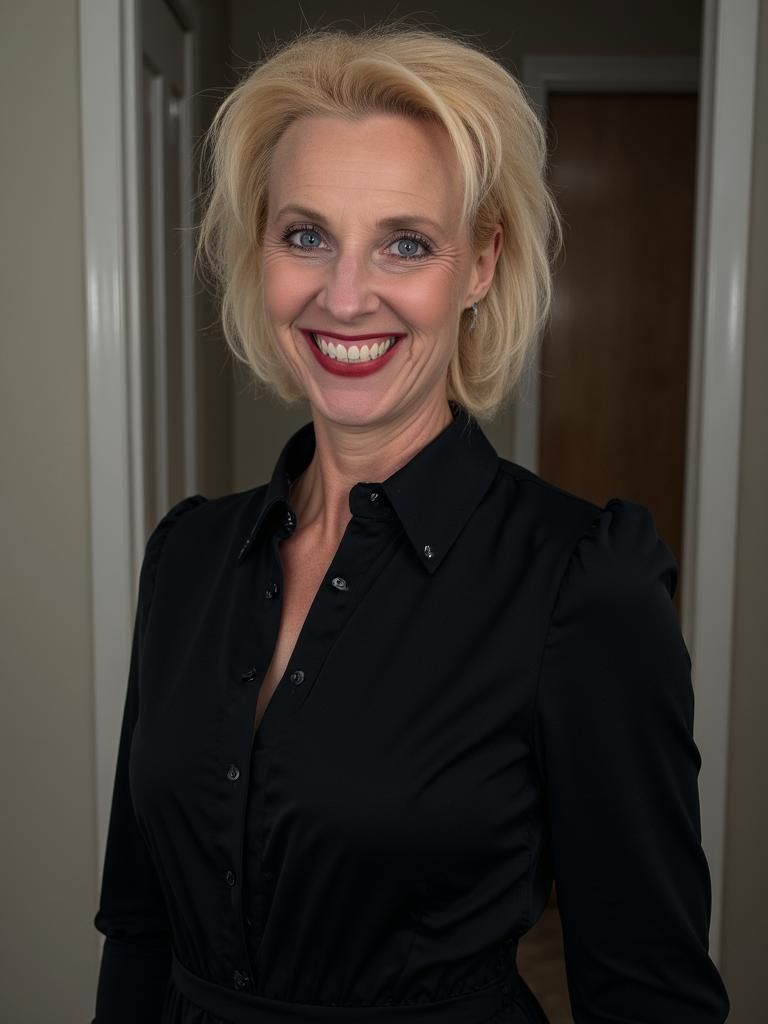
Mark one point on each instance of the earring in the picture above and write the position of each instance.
(473, 321)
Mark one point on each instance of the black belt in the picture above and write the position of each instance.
(245, 1008)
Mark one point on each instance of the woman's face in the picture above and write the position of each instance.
(367, 266)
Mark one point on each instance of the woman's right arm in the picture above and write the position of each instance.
(136, 955)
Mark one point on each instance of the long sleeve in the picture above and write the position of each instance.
(619, 769)
(136, 955)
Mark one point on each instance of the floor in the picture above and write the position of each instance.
(540, 961)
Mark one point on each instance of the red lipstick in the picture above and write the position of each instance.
(357, 337)
(351, 369)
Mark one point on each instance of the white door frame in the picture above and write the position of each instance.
(109, 55)
(110, 103)
(723, 191)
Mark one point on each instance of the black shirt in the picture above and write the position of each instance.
(490, 690)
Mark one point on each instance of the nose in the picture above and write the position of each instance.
(347, 292)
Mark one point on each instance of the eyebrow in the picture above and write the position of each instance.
(400, 220)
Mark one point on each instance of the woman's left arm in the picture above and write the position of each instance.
(619, 769)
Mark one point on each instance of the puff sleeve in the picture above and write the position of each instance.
(619, 770)
(136, 954)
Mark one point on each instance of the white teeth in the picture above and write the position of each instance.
(353, 354)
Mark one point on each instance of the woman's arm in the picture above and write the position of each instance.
(619, 767)
(136, 955)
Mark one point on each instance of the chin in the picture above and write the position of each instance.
(352, 410)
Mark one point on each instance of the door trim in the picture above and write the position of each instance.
(110, 106)
(109, 113)
(723, 193)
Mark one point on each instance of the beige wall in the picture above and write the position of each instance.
(48, 947)
(745, 936)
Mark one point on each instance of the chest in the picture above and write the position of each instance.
(403, 743)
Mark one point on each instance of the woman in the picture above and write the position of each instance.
(377, 704)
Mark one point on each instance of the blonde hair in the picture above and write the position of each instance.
(501, 150)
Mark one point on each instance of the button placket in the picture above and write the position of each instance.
(365, 544)
(352, 572)
(253, 629)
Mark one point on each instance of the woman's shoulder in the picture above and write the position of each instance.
(606, 548)
(545, 499)
(211, 528)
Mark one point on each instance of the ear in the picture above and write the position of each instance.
(484, 266)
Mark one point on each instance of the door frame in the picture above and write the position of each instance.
(153, 14)
(726, 87)
(110, 107)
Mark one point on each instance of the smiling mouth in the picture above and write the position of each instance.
(359, 351)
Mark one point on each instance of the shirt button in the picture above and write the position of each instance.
(297, 677)
(339, 582)
(240, 979)
(249, 676)
(271, 591)
(373, 496)
(233, 774)
(230, 878)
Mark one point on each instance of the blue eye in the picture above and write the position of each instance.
(409, 243)
(407, 247)
(307, 239)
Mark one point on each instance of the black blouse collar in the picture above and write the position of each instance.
(433, 494)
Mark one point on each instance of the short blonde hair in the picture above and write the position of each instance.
(501, 150)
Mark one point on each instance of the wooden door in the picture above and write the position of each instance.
(614, 363)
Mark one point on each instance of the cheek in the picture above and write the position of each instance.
(287, 290)
(426, 298)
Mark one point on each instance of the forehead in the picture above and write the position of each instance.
(376, 165)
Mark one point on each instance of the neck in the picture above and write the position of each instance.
(345, 455)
